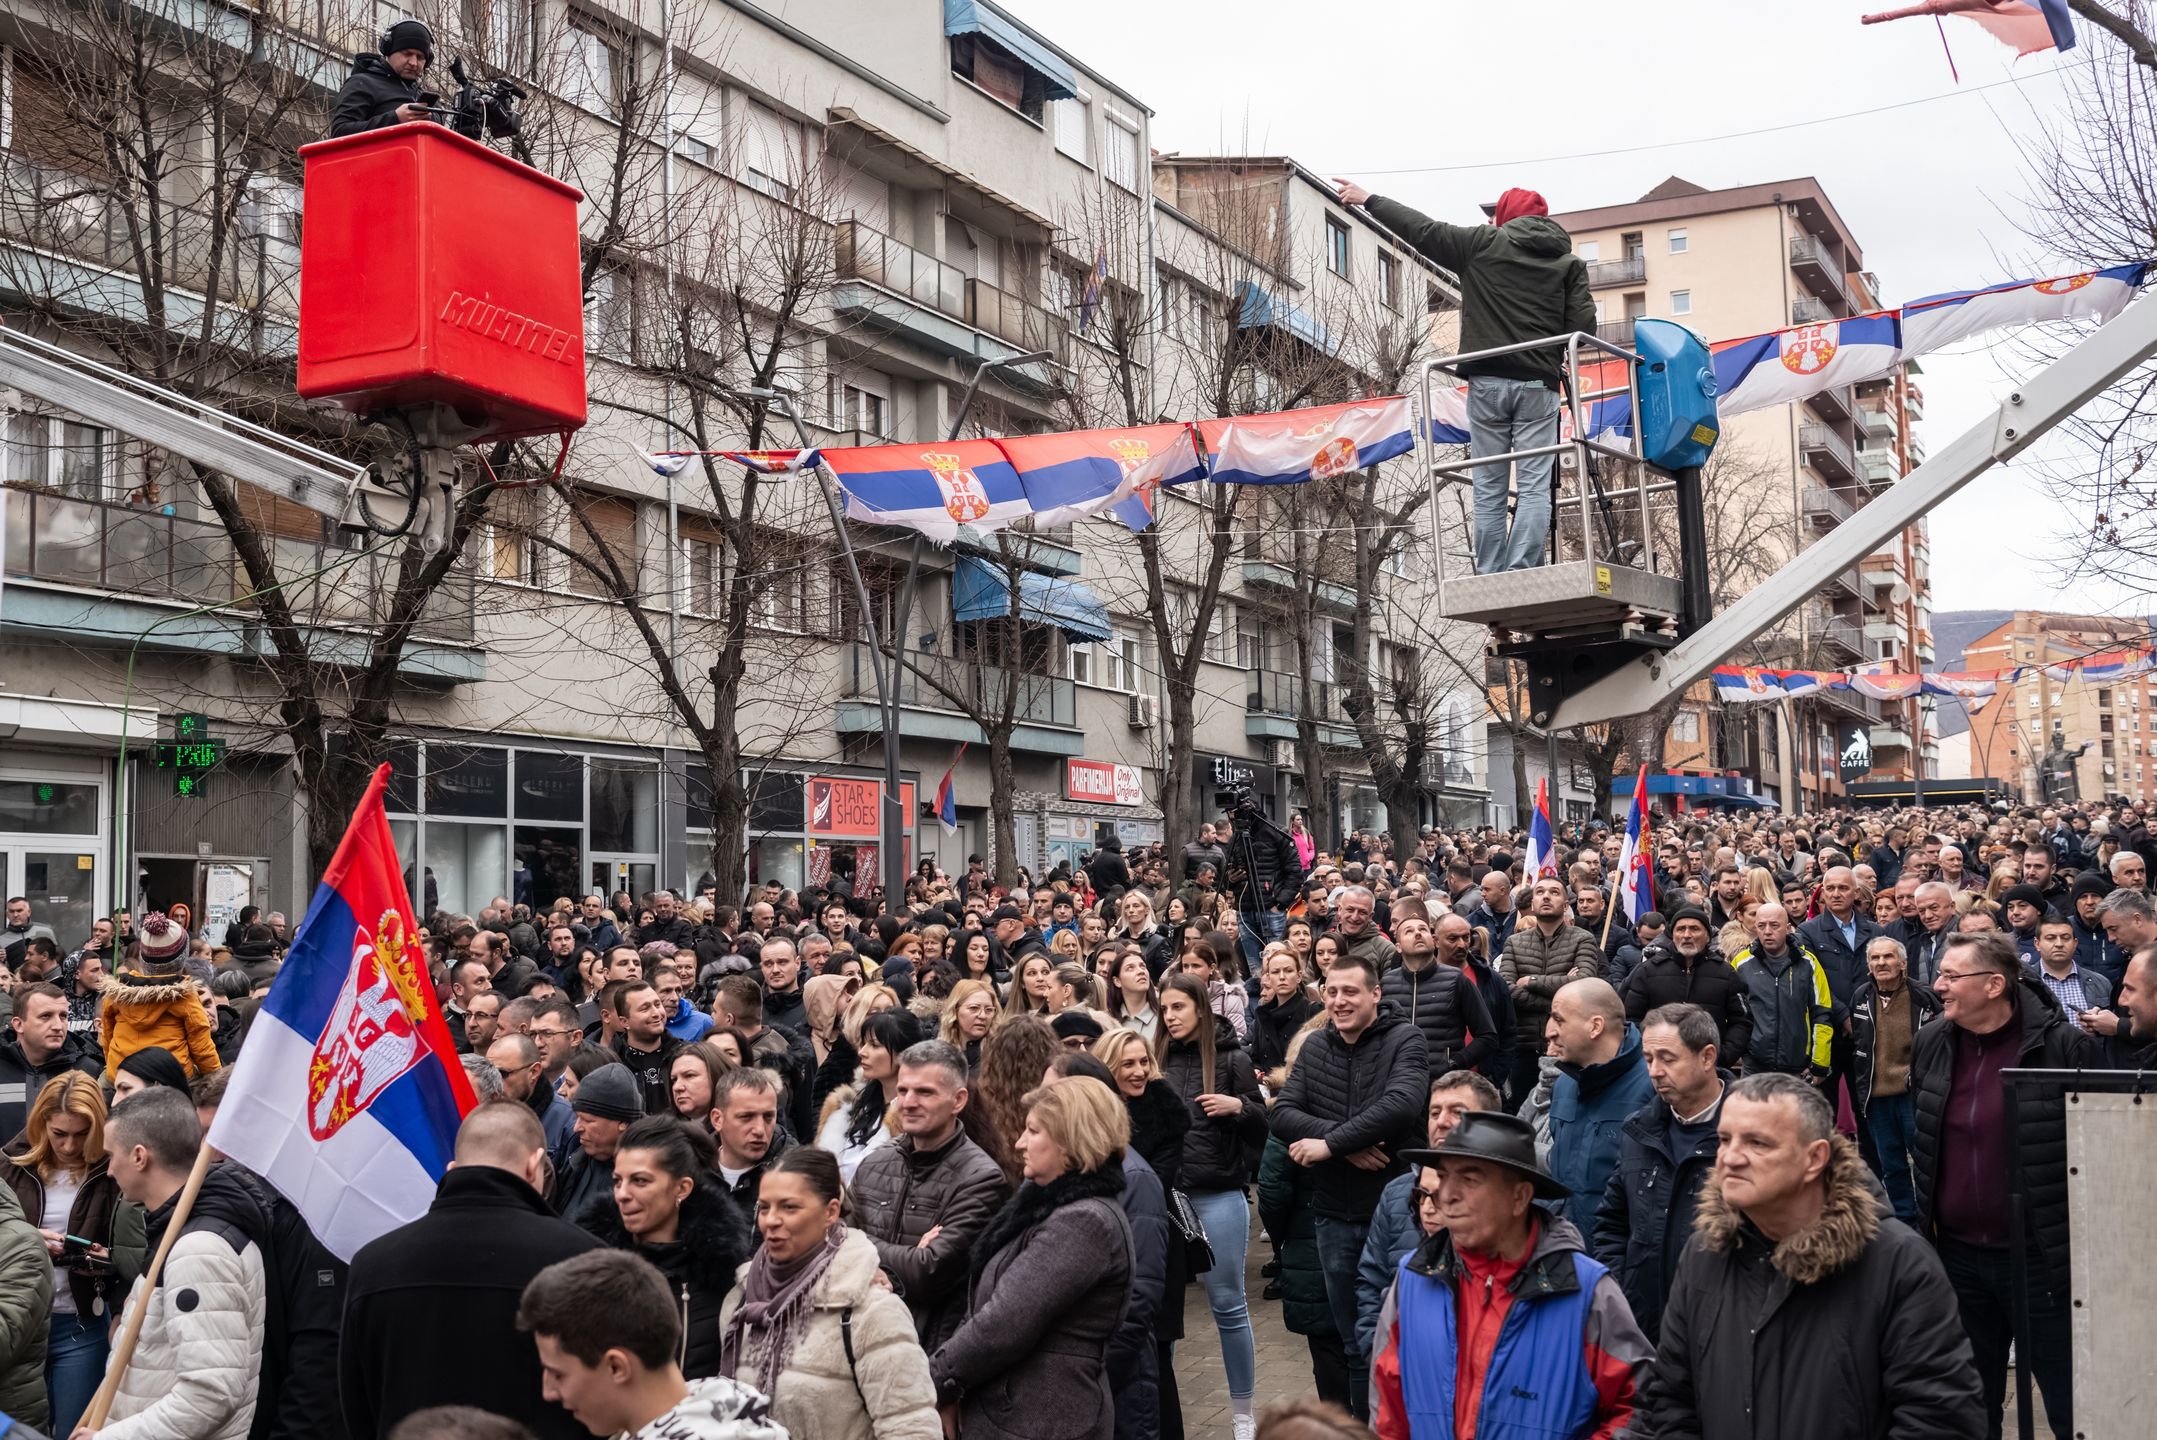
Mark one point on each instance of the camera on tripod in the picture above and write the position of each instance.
(481, 111)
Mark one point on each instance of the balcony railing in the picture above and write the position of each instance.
(1835, 630)
(1805, 310)
(1878, 467)
(1827, 506)
(1837, 400)
(127, 550)
(861, 253)
(1014, 321)
(70, 215)
(1811, 258)
(1273, 693)
(1879, 424)
(1632, 270)
(930, 681)
(1827, 450)
(1617, 332)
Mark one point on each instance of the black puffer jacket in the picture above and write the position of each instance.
(1159, 1122)
(1847, 1329)
(1446, 1006)
(1214, 1149)
(699, 1264)
(1374, 1092)
(2049, 1041)
(370, 97)
(1663, 978)
(1648, 1209)
(1273, 1025)
(1261, 871)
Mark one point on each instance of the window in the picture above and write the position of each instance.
(589, 74)
(699, 116)
(1070, 118)
(1681, 302)
(1685, 726)
(614, 519)
(508, 547)
(270, 212)
(1389, 280)
(64, 455)
(610, 314)
(1677, 240)
(1337, 246)
(707, 574)
(1128, 661)
(1636, 247)
(1221, 636)
(998, 73)
(771, 151)
(1119, 150)
(1589, 251)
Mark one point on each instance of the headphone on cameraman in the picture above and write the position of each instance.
(390, 38)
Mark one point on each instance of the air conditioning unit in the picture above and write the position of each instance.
(1145, 712)
(1284, 755)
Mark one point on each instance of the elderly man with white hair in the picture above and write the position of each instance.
(2129, 871)
(1926, 928)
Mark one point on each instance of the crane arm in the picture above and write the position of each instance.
(2042, 402)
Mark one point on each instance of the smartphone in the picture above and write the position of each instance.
(74, 1247)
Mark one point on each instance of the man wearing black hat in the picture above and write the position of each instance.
(385, 89)
(607, 1103)
(1568, 1366)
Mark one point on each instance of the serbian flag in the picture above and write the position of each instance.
(1741, 683)
(933, 488)
(1541, 856)
(1884, 684)
(1080, 473)
(2026, 29)
(1288, 447)
(1804, 360)
(1449, 416)
(347, 1093)
(2115, 665)
(1938, 321)
(1636, 881)
(948, 796)
(1968, 685)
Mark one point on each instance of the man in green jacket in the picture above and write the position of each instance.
(1519, 280)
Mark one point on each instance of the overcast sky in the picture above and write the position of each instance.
(1931, 190)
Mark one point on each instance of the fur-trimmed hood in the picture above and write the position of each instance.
(1846, 1226)
(714, 1239)
(132, 987)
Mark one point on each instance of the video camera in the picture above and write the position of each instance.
(1243, 801)
(481, 111)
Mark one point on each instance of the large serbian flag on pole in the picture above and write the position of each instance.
(1541, 858)
(347, 1093)
(1636, 875)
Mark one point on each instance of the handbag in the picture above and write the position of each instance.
(1197, 1252)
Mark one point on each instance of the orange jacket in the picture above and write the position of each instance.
(145, 1010)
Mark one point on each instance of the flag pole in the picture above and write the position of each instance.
(1610, 913)
(123, 1353)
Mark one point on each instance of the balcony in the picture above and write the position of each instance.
(1821, 270)
(1882, 567)
(921, 299)
(1846, 582)
(1275, 701)
(1879, 426)
(1877, 467)
(1617, 332)
(1893, 735)
(73, 247)
(1016, 322)
(1836, 402)
(122, 567)
(1632, 270)
(1805, 310)
(1827, 452)
(937, 691)
(1827, 507)
(1916, 450)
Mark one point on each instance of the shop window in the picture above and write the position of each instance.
(550, 786)
(625, 807)
(467, 780)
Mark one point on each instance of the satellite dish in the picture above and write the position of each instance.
(1899, 592)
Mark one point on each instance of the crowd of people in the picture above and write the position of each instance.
(820, 1166)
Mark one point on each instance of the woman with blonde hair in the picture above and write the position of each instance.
(969, 1015)
(1159, 1118)
(844, 1056)
(58, 1175)
(1064, 945)
(1074, 987)
(1051, 1275)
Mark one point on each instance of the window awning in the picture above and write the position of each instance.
(973, 17)
(1256, 309)
(979, 592)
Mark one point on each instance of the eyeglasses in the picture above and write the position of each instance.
(537, 1034)
(1425, 1197)
(1946, 977)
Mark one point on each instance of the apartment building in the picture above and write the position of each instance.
(984, 207)
(2108, 727)
(1737, 262)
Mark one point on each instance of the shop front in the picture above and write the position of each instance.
(1219, 776)
(1100, 798)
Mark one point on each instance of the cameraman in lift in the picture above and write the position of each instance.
(384, 90)
(1263, 874)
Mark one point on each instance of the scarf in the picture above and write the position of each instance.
(775, 1300)
(1033, 1203)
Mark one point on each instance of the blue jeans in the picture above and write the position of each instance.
(1893, 1125)
(74, 1364)
(1226, 1214)
(1503, 416)
(1340, 1250)
(1253, 929)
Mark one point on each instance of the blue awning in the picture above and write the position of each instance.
(973, 17)
(979, 592)
(1255, 309)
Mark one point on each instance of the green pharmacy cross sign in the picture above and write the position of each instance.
(191, 754)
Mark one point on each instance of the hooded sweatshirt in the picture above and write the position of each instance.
(1518, 281)
(720, 1408)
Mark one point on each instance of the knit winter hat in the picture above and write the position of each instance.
(409, 35)
(2092, 883)
(160, 938)
(1689, 912)
(2028, 894)
(611, 1093)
